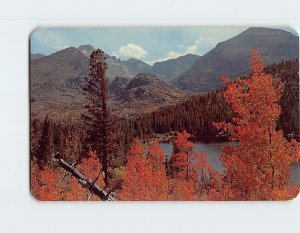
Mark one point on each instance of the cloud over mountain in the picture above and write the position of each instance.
(190, 49)
(131, 50)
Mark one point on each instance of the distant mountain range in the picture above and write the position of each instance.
(136, 66)
(232, 57)
(56, 80)
(166, 70)
(170, 69)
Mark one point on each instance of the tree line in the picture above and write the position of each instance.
(197, 113)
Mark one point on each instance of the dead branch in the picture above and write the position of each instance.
(87, 183)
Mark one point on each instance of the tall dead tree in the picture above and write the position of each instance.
(97, 117)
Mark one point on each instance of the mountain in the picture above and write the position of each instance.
(86, 49)
(136, 66)
(170, 69)
(144, 94)
(165, 70)
(115, 67)
(232, 57)
(56, 83)
(118, 85)
(56, 80)
(34, 56)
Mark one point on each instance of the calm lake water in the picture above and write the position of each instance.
(213, 151)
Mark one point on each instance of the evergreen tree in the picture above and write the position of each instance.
(97, 118)
(43, 152)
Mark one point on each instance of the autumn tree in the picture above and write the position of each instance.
(145, 176)
(182, 156)
(258, 167)
(44, 183)
(189, 171)
(97, 118)
(91, 168)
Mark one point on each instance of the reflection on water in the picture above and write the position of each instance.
(213, 151)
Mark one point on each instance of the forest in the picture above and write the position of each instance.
(107, 158)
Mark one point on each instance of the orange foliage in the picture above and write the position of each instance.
(44, 183)
(145, 177)
(75, 191)
(258, 167)
(192, 176)
(224, 79)
(182, 190)
(90, 167)
(182, 157)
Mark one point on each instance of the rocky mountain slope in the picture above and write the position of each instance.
(143, 94)
(136, 66)
(56, 80)
(232, 57)
(170, 69)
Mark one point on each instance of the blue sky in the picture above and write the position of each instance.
(150, 44)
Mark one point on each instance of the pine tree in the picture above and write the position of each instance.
(97, 118)
(43, 152)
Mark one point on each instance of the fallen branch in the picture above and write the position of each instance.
(87, 183)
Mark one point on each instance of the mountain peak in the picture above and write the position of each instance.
(86, 49)
(172, 68)
(265, 30)
(142, 80)
(143, 94)
(133, 60)
(233, 57)
(34, 56)
(137, 66)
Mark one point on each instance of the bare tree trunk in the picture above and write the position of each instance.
(87, 183)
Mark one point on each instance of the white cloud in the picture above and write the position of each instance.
(172, 54)
(131, 50)
(194, 48)
(169, 55)
(60, 47)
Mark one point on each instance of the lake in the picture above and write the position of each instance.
(213, 151)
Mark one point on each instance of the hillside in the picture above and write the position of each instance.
(115, 67)
(34, 56)
(56, 81)
(232, 57)
(170, 69)
(197, 112)
(136, 66)
(143, 94)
